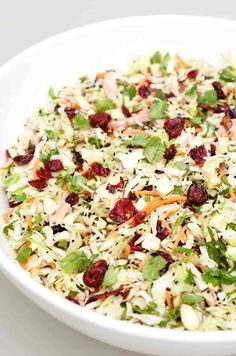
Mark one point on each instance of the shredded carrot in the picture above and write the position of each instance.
(198, 129)
(86, 239)
(75, 106)
(168, 298)
(193, 262)
(112, 234)
(35, 168)
(126, 252)
(6, 216)
(146, 192)
(171, 212)
(100, 75)
(69, 145)
(29, 222)
(232, 195)
(154, 204)
(137, 131)
(64, 187)
(30, 200)
(179, 237)
(47, 148)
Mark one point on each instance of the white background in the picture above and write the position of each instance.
(25, 330)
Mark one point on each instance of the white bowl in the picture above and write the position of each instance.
(24, 82)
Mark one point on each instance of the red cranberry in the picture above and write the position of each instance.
(73, 300)
(44, 174)
(213, 150)
(122, 211)
(192, 74)
(70, 113)
(132, 196)
(198, 154)
(174, 127)
(13, 204)
(100, 170)
(100, 119)
(94, 275)
(148, 187)
(56, 107)
(72, 199)
(89, 174)
(55, 165)
(166, 256)
(139, 218)
(22, 160)
(133, 246)
(219, 109)
(197, 194)
(144, 91)
(38, 183)
(170, 152)
(31, 150)
(7, 154)
(104, 295)
(112, 188)
(78, 158)
(100, 263)
(125, 111)
(206, 107)
(218, 88)
(162, 233)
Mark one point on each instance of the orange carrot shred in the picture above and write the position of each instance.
(168, 298)
(29, 222)
(35, 168)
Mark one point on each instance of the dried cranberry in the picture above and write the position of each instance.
(166, 256)
(100, 119)
(133, 246)
(197, 194)
(100, 263)
(38, 183)
(169, 95)
(213, 150)
(125, 111)
(219, 109)
(187, 205)
(139, 218)
(112, 188)
(100, 170)
(58, 228)
(122, 211)
(162, 232)
(44, 174)
(78, 158)
(89, 174)
(192, 74)
(22, 160)
(72, 199)
(148, 187)
(198, 154)
(94, 275)
(55, 165)
(70, 113)
(170, 152)
(73, 300)
(13, 204)
(104, 295)
(132, 196)
(144, 91)
(206, 107)
(174, 126)
(218, 88)
(31, 150)
(7, 154)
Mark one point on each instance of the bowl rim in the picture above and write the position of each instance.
(36, 291)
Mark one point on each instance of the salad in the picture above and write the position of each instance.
(122, 194)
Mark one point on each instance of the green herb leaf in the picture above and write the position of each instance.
(156, 58)
(12, 179)
(130, 91)
(191, 299)
(63, 244)
(23, 254)
(149, 309)
(158, 110)
(45, 157)
(95, 141)
(164, 62)
(8, 227)
(19, 198)
(83, 78)
(217, 276)
(187, 251)
(51, 93)
(38, 218)
(138, 141)
(190, 277)
(76, 262)
(81, 122)
(110, 277)
(192, 91)
(228, 75)
(177, 190)
(160, 95)
(101, 105)
(51, 134)
(154, 150)
(197, 120)
(216, 251)
(209, 98)
(152, 267)
(181, 165)
(75, 183)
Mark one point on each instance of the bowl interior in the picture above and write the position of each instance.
(59, 61)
